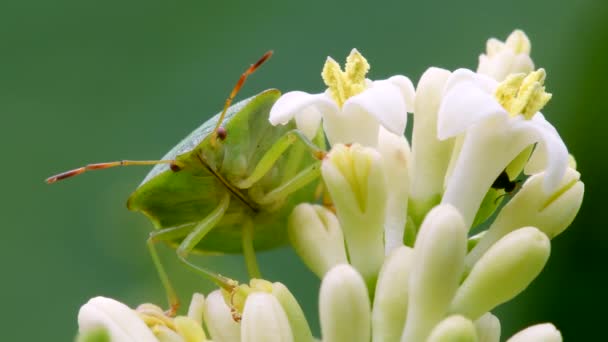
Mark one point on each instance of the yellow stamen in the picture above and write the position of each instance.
(235, 299)
(350, 82)
(523, 94)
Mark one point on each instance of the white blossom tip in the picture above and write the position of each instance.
(538, 333)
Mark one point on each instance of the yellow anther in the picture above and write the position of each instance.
(521, 94)
(350, 82)
(236, 298)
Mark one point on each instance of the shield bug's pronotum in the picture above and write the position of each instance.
(229, 186)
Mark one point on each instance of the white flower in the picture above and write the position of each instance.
(218, 319)
(315, 235)
(352, 108)
(430, 156)
(264, 320)
(355, 178)
(545, 332)
(344, 306)
(438, 263)
(505, 58)
(551, 213)
(122, 323)
(503, 272)
(499, 121)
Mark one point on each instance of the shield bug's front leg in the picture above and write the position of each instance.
(274, 153)
(300, 180)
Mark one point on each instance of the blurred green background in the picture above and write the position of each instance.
(88, 81)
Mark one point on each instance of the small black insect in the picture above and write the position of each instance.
(503, 182)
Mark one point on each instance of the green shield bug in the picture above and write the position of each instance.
(228, 187)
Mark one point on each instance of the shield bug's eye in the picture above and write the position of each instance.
(221, 133)
(175, 168)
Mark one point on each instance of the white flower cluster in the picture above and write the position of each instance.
(394, 250)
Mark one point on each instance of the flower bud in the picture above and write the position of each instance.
(395, 152)
(196, 308)
(488, 328)
(551, 213)
(264, 320)
(430, 156)
(218, 319)
(538, 333)
(504, 271)
(453, 329)
(94, 335)
(165, 334)
(355, 179)
(315, 234)
(503, 59)
(390, 302)
(189, 329)
(121, 322)
(297, 321)
(344, 306)
(438, 265)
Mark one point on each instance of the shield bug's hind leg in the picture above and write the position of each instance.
(248, 251)
(193, 235)
(198, 233)
(274, 153)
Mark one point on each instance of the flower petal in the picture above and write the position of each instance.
(550, 154)
(505, 63)
(308, 121)
(487, 149)
(465, 75)
(430, 157)
(344, 306)
(264, 320)
(466, 102)
(218, 319)
(385, 101)
(122, 322)
(291, 103)
(407, 90)
(353, 126)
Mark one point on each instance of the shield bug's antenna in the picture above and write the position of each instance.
(99, 166)
(235, 90)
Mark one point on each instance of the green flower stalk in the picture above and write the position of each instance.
(391, 242)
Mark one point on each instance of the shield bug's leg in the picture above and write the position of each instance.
(167, 234)
(248, 251)
(274, 153)
(101, 166)
(191, 233)
(300, 180)
(198, 233)
(235, 90)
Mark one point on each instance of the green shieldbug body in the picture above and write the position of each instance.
(209, 173)
(229, 186)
